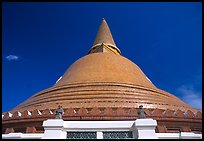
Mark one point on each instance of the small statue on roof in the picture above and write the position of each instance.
(59, 112)
(141, 113)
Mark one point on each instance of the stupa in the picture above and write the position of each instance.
(103, 85)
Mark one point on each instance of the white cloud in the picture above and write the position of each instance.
(12, 57)
(191, 96)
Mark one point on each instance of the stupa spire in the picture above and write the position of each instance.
(104, 41)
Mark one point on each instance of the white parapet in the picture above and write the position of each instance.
(57, 128)
(182, 135)
(54, 129)
(187, 135)
(22, 136)
(146, 128)
(140, 128)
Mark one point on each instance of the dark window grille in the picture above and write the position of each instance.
(118, 135)
(81, 135)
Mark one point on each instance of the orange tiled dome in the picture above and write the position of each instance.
(105, 67)
(103, 77)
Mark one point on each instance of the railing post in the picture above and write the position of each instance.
(146, 128)
(54, 129)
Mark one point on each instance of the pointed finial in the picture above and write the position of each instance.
(104, 36)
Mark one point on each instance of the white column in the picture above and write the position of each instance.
(54, 129)
(146, 128)
(99, 135)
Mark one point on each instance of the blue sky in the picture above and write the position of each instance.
(41, 40)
